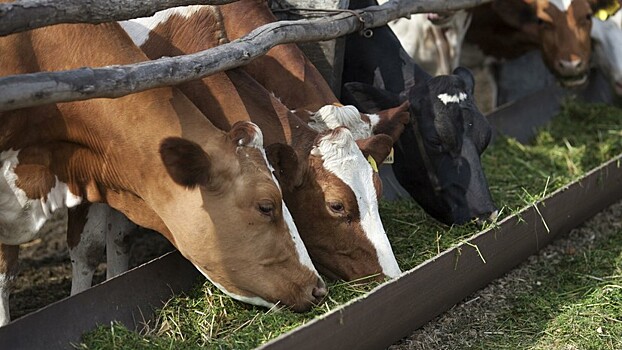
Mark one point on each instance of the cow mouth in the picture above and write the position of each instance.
(573, 81)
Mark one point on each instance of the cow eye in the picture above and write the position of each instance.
(266, 208)
(336, 207)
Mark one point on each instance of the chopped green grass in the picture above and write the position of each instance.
(581, 137)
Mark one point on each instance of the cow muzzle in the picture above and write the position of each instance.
(572, 73)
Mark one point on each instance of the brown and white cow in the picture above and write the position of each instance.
(154, 157)
(559, 28)
(331, 190)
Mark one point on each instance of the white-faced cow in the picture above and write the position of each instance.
(437, 157)
(209, 192)
(328, 183)
(433, 40)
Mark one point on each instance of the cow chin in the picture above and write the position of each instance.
(573, 81)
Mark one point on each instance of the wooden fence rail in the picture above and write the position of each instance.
(19, 91)
(24, 15)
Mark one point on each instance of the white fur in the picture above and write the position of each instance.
(303, 254)
(436, 48)
(343, 158)
(5, 315)
(90, 247)
(330, 117)
(563, 5)
(249, 300)
(22, 217)
(457, 98)
(607, 38)
(140, 28)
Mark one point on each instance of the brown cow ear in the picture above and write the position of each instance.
(377, 146)
(186, 162)
(287, 168)
(393, 120)
(604, 9)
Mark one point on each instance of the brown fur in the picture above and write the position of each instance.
(108, 150)
(334, 243)
(509, 28)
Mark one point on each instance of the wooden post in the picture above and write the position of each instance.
(327, 56)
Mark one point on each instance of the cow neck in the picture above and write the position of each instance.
(299, 84)
(104, 149)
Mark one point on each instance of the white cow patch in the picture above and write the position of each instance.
(607, 39)
(447, 98)
(330, 117)
(5, 315)
(343, 158)
(140, 28)
(563, 5)
(303, 254)
(22, 217)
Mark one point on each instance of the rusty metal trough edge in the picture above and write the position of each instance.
(395, 309)
(375, 320)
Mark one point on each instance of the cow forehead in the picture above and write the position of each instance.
(562, 5)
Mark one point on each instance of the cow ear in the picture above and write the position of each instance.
(393, 120)
(467, 76)
(368, 98)
(245, 133)
(377, 146)
(287, 168)
(186, 162)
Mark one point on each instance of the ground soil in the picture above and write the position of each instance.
(45, 268)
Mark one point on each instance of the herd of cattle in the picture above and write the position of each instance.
(260, 176)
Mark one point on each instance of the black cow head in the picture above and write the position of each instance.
(437, 158)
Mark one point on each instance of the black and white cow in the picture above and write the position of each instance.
(437, 157)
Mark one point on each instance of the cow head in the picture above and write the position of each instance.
(236, 228)
(437, 158)
(333, 192)
(607, 37)
(562, 30)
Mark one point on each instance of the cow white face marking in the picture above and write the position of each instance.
(250, 300)
(563, 5)
(303, 254)
(140, 28)
(331, 117)
(342, 157)
(22, 217)
(447, 98)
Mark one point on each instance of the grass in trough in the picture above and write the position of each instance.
(576, 303)
(581, 137)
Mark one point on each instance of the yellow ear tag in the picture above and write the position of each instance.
(608, 11)
(337, 104)
(389, 158)
(372, 162)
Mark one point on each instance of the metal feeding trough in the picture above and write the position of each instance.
(424, 292)
(397, 307)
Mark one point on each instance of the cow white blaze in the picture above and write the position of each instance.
(454, 98)
(342, 157)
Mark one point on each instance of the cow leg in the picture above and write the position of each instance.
(8, 272)
(117, 243)
(86, 237)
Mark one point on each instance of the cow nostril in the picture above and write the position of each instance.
(320, 290)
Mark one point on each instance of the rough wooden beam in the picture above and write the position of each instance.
(24, 15)
(19, 91)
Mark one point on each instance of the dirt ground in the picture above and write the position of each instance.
(45, 268)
